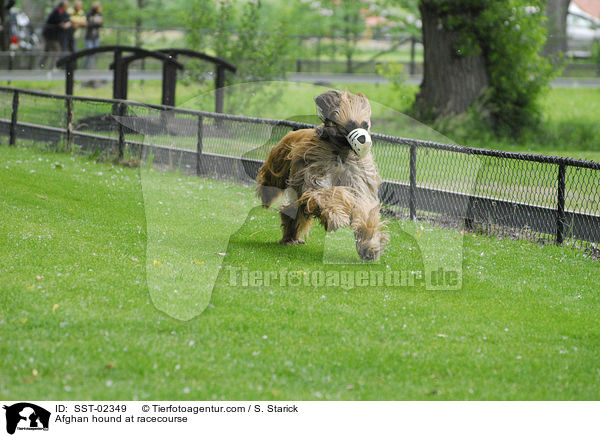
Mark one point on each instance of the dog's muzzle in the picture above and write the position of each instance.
(360, 141)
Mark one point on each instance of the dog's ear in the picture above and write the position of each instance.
(364, 101)
(328, 104)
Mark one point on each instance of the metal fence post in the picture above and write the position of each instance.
(69, 77)
(69, 120)
(413, 42)
(412, 198)
(122, 108)
(469, 218)
(219, 88)
(560, 207)
(169, 83)
(12, 134)
(199, 145)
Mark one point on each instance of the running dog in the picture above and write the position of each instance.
(328, 172)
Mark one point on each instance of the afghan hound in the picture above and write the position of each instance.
(328, 172)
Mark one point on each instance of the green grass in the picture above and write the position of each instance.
(82, 257)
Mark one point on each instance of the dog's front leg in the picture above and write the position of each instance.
(333, 206)
(368, 229)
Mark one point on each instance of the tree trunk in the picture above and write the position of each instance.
(138, 24)
(451, 81)
(556, 12)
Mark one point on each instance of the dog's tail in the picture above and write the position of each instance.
(272, 176)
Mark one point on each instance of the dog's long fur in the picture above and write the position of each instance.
(324, 178)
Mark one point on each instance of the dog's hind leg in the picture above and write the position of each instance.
(295, 224)
(268, 195)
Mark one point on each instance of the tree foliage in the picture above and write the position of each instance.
(510, 34)
(151, 13)
(239, 32)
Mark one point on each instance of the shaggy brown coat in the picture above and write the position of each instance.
(322, 177)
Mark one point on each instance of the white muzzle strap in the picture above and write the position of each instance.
(360, 141)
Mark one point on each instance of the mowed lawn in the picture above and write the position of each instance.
(82, 275)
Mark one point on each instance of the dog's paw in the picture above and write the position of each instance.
(291, 241)
(369, 253)
(371, 250)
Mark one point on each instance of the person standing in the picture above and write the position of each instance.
(92, 33)
(78, 20)
(55, 33)
(4, 25)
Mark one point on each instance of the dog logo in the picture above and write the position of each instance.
(26, 416)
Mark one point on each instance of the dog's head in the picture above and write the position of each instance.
(346, 120)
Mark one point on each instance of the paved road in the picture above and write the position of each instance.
(59, 75)
(562, 82)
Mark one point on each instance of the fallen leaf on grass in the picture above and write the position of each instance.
(55, 307)
(109, 366)
(24, 320)
(198, 262)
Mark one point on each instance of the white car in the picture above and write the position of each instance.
(583, 30)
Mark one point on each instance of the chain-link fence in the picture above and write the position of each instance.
(544, 198)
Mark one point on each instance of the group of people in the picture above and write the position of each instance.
(62, 28)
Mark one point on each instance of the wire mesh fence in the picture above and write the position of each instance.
(542, 198)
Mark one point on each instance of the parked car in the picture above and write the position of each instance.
(583, 30)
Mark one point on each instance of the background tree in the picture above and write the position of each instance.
(556, 13)
(241, 33)
(486, 53)
(348, 19)
(144, 13)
